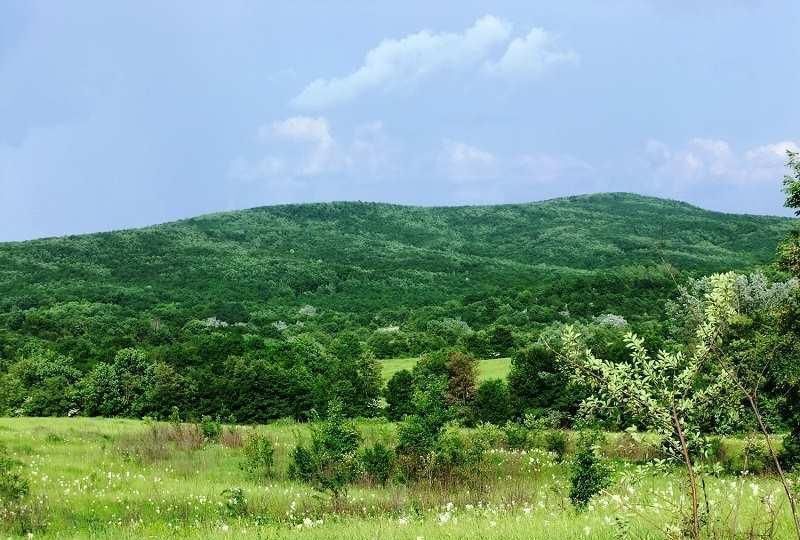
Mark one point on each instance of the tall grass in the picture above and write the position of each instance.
(94, 478)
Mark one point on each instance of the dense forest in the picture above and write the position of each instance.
(271, 312)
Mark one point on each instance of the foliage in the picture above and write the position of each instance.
(210, 428)
(492, 403)
(461, 375)
(555, 441)
(41, 383)
(536, 382)
(399, 394)
(235, 502)
(330, 462)
(13, 486)
(589, 474)
(418, 434)
(215, 315)
(377, 462)
(259, 455)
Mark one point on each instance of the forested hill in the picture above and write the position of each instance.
(367, 266)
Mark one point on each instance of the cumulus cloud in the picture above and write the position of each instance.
(715, 160)
(531, 55)
(315, 132)
(462, 162)
(416, 56)
(300, 148)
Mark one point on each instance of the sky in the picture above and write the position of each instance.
(125, 114)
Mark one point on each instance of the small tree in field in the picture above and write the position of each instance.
(330, 462)
(399, 394)
(589, 474)
(669, 393)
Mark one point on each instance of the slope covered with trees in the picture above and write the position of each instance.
(205, 308)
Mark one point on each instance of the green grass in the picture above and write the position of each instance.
(83, 486)
(491, 368)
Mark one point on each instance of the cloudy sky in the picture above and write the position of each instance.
(120, 114)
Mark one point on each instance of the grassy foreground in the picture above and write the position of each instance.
(490, 368)
(98, 478)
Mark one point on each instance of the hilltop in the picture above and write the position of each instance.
(362, 266)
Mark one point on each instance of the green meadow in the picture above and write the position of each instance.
(492, 368)
(114, 478)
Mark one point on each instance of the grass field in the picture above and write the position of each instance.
(96, 478)
(492, 368)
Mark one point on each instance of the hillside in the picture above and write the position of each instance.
(362, 266)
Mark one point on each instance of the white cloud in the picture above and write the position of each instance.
(313, 131)
(714, 160)
(402, 61)
(463, 162)
(301, 148)
(531, 55)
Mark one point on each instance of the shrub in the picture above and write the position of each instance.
(790, 456)
(259, 454)
(235, 502)
(458, 455)
(462, 370)
(13, 486)
(377, 463)
(556, 442)
(537, 382)
(399, 393)
(755, 455)
(210, 428)
(330, 462)
(516, 436)
(589, 474)
(492, 402)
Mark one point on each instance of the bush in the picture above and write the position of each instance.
(556, 442)
(516, 436)
(330, 462)
(457, 454)
(589, 474)
(756, 455)
(235, 502)
(492, 403)
(790, 456)
(259, 454)
(13, 486)
(210, 428)
(398, 394)
(377, 463)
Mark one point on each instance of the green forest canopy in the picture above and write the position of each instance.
(366, 266)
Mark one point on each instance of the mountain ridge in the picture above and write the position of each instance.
(553, 200)
(360, 266)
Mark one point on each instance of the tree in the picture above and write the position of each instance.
(670, 393)
(42, 383)
(418, 434)
(330, 462)
(589, 474)
(399, 393)
(462, 372)
(536, 382)
(789, 258)
(492, 403)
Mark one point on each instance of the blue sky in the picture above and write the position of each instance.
(115, 114)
